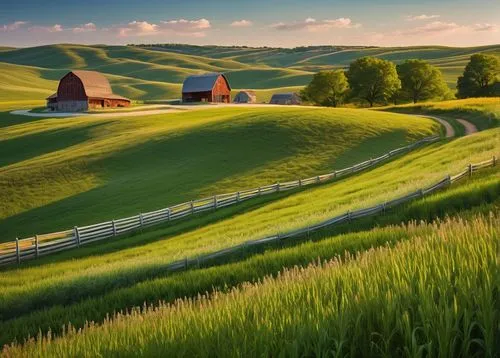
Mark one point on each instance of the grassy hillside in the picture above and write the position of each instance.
(145, 163)
(484, 113)
(479, 195)
(91, 271)
(157, 72)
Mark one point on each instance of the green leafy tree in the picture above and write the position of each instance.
(373, 79)
(481, 77)
(420, 81)
(327, 88)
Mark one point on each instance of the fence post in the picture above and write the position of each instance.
(215, 201)
(141, 219)
(334, 173)
(238, 196)
(384, 207)
(36, 246)
(18, 253)
(300, 183)
(186, 263)
(278, 187)
(192, 207)
(494, 160)
(260, 191)
(77, 236)
(114, 227)
(421, 192)
(349, 216)
(317, 179)
(168, 214)
(470, 170)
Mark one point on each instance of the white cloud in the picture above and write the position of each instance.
(314, 25)
(54, 28)
(181, 27)
(89, 27)
(421, 17)
(242, 23)
(433, 28)
(13, 26)
(485, 27)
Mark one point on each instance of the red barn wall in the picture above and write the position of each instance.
(221, 91)
(71, 89)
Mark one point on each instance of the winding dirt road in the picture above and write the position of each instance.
(469, 127)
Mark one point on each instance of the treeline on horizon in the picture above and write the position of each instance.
(374, 81)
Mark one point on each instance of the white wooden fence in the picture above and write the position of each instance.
(40, 245)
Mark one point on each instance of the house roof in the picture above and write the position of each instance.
(284, 95)
(52, 96)
(202, 83)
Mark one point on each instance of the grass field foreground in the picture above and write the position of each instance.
(411, 298)
(93, 270)
(480, 195)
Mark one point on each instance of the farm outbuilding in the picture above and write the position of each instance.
(285, 98)
(83, 90)
(245, 97)
(209, 87)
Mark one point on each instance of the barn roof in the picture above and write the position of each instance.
(248, 92)
(96, 85)
(202, 83)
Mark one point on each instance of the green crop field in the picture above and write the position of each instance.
(155, 73)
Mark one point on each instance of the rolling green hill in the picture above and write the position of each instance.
(148, 162)
(157, 72)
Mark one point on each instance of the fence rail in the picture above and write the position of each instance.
(44, 244)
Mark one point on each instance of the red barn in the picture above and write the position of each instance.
(83, 90)
(209, 87)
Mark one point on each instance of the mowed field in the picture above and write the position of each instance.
(62, 172)
(157, 73)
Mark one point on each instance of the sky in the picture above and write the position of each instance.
(276, 23)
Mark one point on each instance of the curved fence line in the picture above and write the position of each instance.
(44, 244)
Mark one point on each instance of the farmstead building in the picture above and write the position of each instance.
(83, 90)
(245, 97)
(209, 87)
(285, 98)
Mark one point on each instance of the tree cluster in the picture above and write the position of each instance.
(378, 81)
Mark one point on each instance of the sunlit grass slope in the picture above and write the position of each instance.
(482, 112)
(414, 297)
(480, 194)
(24, 83)
(93, 270)
(62, 172)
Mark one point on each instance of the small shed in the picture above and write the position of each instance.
(245, 97)
(208, 87)
(81, 90)
(285, 98)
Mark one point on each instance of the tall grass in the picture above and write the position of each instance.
(464, 200)
(433, 295)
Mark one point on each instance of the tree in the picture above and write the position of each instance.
(481, 77)
(420, 81)
(327, 88)
(373, 79)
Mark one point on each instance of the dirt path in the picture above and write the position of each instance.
(469, 127)
(450, 132)
(159, 109)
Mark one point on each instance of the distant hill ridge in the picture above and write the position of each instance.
(157, 71)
